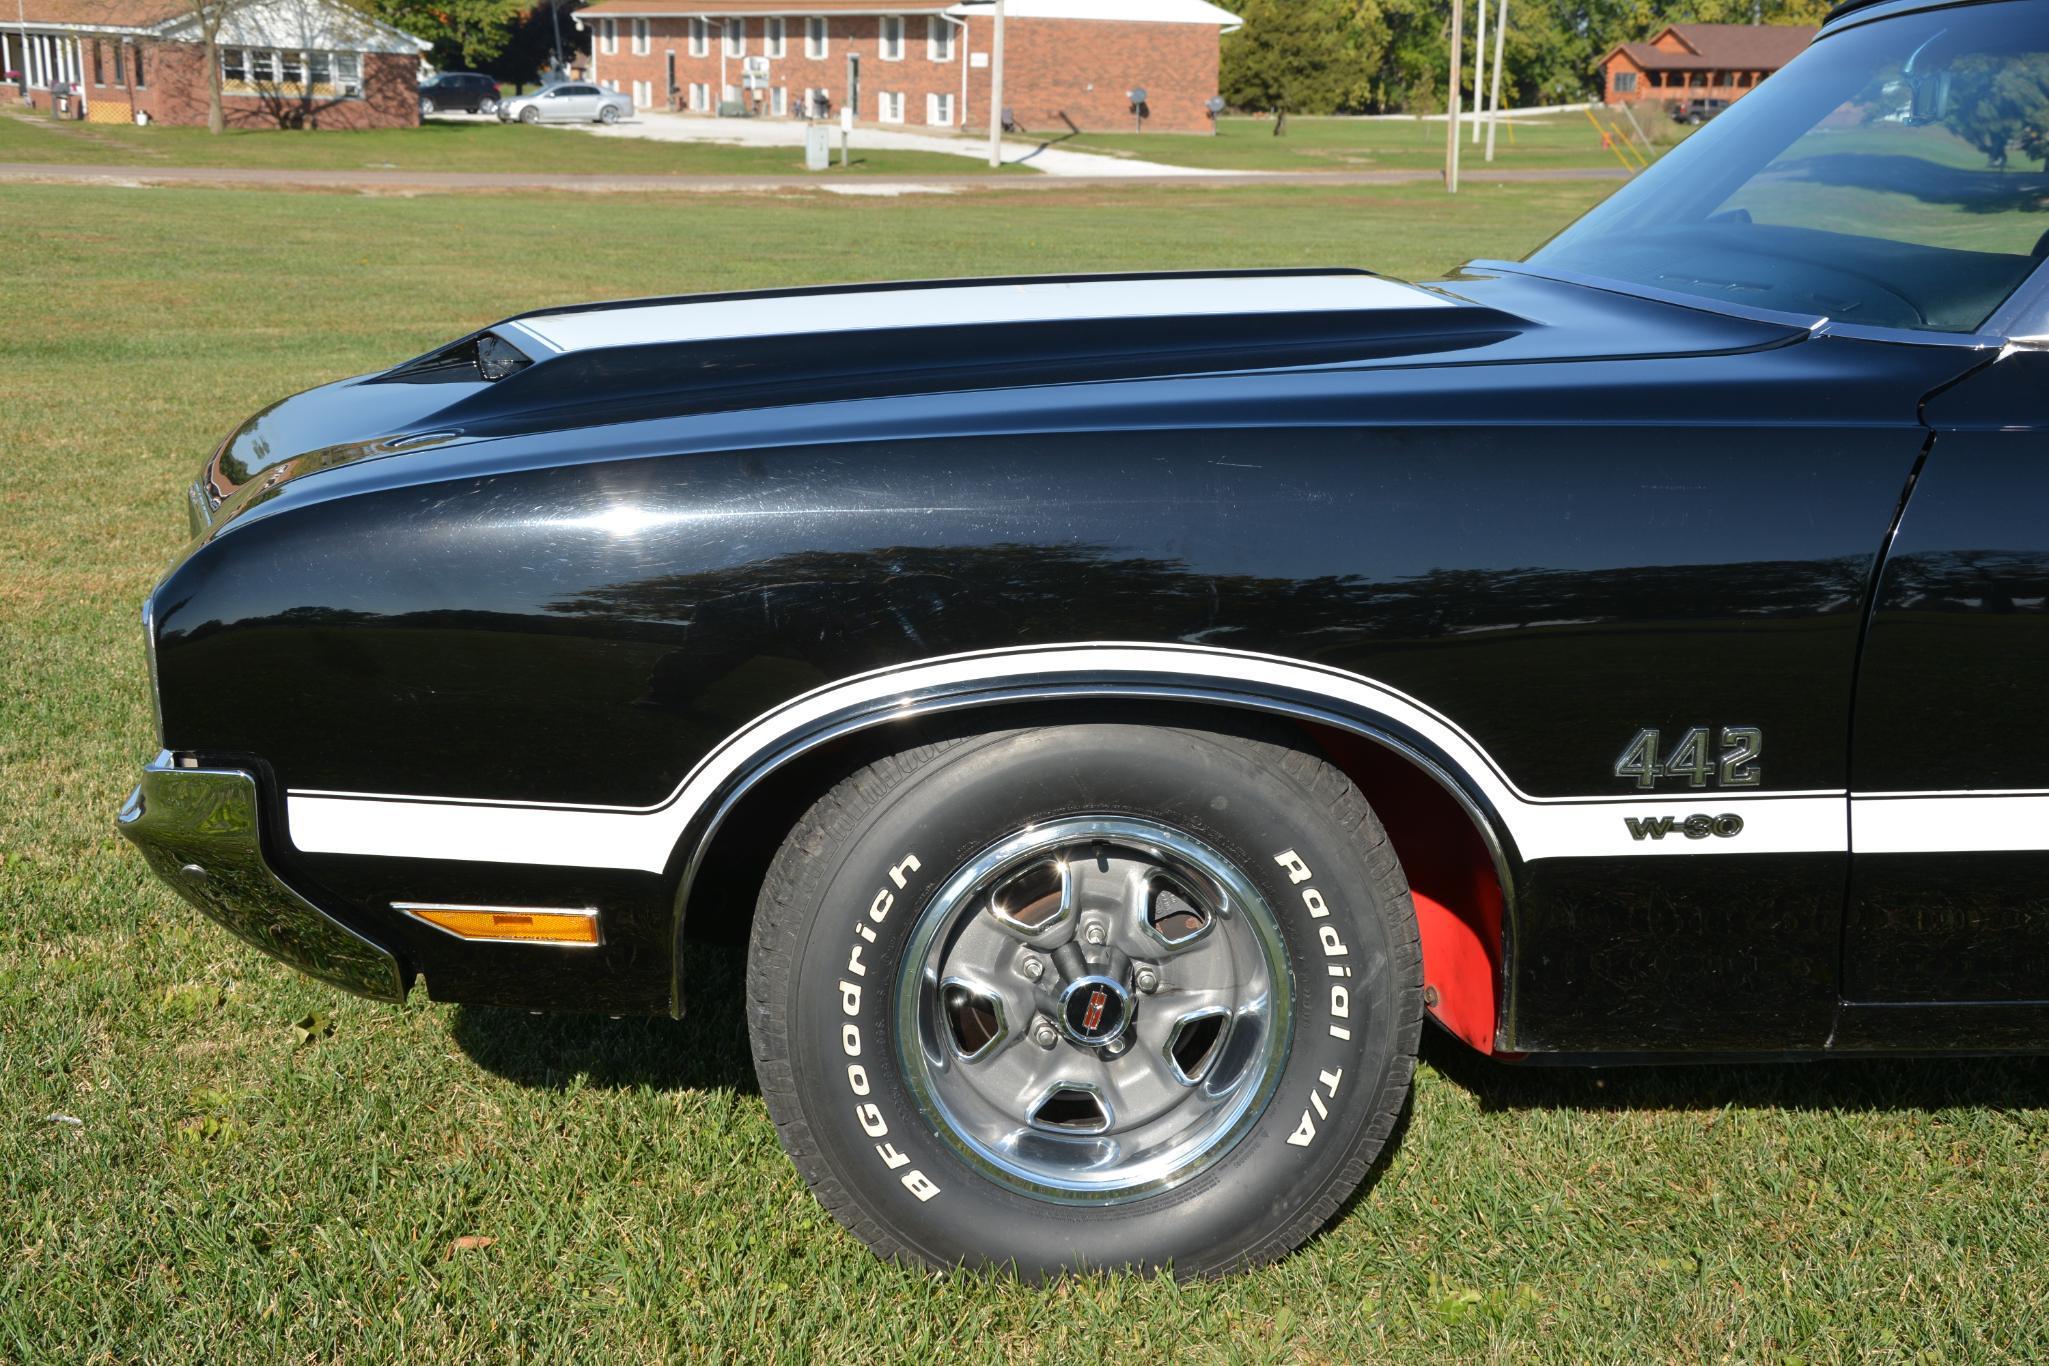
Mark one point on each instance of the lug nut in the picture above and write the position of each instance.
(1093, 934)
(1148, 981)
(1115, 1048)
(1044, 1035)
(1034, 968)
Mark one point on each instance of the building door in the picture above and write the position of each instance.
(669, 86)
(1950, 757)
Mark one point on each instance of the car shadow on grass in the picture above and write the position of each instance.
(1844, 1083)
(706, 1050)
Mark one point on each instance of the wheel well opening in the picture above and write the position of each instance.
(1452, 880)
(1458, 896)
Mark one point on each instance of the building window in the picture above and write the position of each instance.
(700, 38)
(892, 37)
(138, 68)
(775, 36)
(817, 46)
(643, 40)
(779, 101)
(736, 37)
(938, 39)
(608, 37)
(892, 106)
(700, 97)
(643, 94)
(251, 71)
(120, 64)
(1625, 82)
(939, 110)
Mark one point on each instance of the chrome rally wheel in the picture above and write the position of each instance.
(1086, 994)
(1094, 1009)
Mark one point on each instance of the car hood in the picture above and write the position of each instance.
(668, 358)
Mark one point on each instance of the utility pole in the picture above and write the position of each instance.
(1500, 32)
(555, 17)
(1479, 67)
(996, 91)
(1458, 37)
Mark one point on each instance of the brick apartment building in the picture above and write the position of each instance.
(1700, 62)
(284, 63)
(924, 63)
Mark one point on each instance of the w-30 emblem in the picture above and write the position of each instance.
(1725, 827)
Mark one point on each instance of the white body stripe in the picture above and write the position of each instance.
(644, 838)
(1950, 822)
(963, 305)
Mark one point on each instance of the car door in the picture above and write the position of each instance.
(575, 102)
(1950, 756)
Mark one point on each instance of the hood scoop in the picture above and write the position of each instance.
(639, 361)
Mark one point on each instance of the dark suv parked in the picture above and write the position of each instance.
(1699, 111)
(464, 90)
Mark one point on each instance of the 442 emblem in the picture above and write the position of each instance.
(1728, 759)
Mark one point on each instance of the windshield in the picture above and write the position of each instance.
(1891, 175)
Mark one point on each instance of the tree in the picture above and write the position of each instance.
(206, 18)
(1290, 55)
(465, 33)
(2000, 104)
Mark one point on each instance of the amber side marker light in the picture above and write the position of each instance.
(509, 924)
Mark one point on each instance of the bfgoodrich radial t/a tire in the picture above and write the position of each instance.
(1087, 996)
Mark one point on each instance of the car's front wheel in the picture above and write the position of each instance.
(1089, 995)
(529, 115)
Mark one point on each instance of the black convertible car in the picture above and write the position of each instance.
(1124, 708)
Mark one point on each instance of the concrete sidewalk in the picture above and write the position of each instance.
(457, 182)
(1041, 155)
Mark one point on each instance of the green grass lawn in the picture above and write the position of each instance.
(1553, 142)
(263, 1170)
(465, 145)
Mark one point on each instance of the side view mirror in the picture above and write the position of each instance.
(1931, 98)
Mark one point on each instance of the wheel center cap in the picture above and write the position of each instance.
(1095, 1010)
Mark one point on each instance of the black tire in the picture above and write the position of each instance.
(1295, 826)
(426, 106)
(529, 115)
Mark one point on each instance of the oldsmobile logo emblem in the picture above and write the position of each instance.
(1095, 1010)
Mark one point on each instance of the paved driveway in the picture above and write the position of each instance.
(1043, 156)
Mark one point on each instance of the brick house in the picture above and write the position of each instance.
(924, 63)
(284, 63)
(1700, 62)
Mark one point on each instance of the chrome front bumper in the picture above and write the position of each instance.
(199, 828)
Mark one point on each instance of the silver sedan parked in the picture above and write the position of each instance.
(572, 103)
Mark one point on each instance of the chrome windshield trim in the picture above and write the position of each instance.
(1814, 324)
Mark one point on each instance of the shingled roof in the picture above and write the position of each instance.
(1733, 47)
(124, 14)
